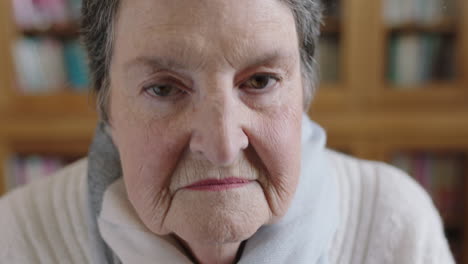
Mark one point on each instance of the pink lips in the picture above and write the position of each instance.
(218, 185)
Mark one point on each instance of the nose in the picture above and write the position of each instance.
(218, 134)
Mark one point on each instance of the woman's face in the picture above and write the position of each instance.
(207, 90)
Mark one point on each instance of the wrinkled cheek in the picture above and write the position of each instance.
(277, 141)
(147, 163)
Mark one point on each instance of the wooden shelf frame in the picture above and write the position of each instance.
(62, 31)
(63, 103)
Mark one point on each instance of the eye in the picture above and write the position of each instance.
(163, 90)
(260, 81)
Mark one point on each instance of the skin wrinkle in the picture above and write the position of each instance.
(101, 15)
(219, 130)
(280, 190)
(157, 200)
(170, 194)
(194, 170)
(171, 197)
(265, 185)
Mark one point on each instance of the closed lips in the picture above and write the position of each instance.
(218, 184)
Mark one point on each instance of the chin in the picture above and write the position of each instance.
(224, 231)
(218, 217)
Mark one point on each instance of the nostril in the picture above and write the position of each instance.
(195, 144)
(244, 140)
(220, 150)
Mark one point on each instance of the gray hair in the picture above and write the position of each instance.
(97, 31)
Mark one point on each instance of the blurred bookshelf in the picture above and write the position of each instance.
(425, 50)
(47, 116)
(47, 67)
(393, 87)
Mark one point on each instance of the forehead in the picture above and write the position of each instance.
(216, 13)
(192, 29)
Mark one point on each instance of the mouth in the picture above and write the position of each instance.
(218, 184)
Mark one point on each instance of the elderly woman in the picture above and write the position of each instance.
(204, 154)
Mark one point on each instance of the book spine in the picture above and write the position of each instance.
(76, 65)
(48, 65)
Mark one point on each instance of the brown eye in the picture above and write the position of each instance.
(259, 82)
(164, 90)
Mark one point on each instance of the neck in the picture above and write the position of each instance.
(219, 253)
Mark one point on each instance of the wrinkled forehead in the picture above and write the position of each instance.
(235, 30)
(218, 14)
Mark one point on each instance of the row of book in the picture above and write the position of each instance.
(25, 169)
(441, 175)
(420, 57)
(328, 56)
(46, 65)
(42, 14)
(397, 12)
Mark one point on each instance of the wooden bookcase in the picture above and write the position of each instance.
(58, 124)
(362, 112)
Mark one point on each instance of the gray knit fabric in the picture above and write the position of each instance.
(103, 169)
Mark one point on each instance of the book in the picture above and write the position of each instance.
(415, 58)
(76, 65)
(39, 65)
(47, 65)
(408, 60)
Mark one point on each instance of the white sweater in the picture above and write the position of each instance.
(385, 218)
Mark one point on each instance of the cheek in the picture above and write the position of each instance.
(149, 152)
(148, 145)
(277, 141)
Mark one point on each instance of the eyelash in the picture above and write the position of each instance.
(181, 91)
(271, 77)
(147, 89)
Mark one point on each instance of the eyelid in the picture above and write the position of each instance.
(177, 94)
(274, 76)
(262, 70)
(167, 78)
(266, 90)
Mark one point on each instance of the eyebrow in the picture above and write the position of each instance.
(156, 62)
(168, 63)
(268, 58)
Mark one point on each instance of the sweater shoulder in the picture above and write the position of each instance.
(395, 189)
(387, 211)
(46, 221)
